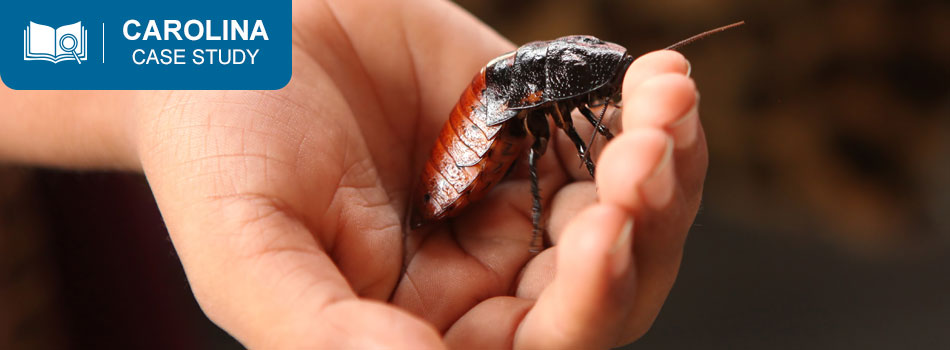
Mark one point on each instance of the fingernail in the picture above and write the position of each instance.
(664, 162)
(620, 251)
(692, 112)
(685, 129)
(689, 68)
(658, 187)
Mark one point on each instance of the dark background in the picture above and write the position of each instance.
(826, 215)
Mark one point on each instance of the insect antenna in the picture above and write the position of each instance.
(675, 46)
(596, 126)
(703, 35)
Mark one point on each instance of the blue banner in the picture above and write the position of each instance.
(148, 45)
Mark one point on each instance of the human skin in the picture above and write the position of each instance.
(287, 207)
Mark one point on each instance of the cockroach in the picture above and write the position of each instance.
(507, 103)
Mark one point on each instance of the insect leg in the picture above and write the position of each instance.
(536, 199)
(600, 119)
(567, 125)
(537, 126)
(601, 128)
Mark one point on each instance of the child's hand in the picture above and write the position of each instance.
(287, 206)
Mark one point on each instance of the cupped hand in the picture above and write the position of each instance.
(288, 207)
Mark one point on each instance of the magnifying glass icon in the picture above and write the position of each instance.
(68, 43)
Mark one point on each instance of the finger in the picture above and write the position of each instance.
(567, 152)
(401, 75)
(474, 256)
(489, 325)
(639, 156)
(412, 73)
(584, 305)
(537, 274)
(446, 59)
(639, 173)
(669, 101)
(644, 68)
(652, 64)
(567, 203)
(359, 324)
(636, 161)
(662, 191)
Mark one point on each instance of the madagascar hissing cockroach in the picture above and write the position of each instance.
(510, 100)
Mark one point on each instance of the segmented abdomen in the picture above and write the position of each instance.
(468, 158)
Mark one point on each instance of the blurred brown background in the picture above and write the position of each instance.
(825, 222)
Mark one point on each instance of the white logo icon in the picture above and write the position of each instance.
(43, 43)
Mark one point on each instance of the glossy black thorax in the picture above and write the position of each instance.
(542, 72)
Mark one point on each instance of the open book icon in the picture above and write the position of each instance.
(43, 43)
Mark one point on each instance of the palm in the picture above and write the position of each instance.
(287, 207)
(375, 164)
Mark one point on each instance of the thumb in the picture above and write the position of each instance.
(258, 273)
(585, 304)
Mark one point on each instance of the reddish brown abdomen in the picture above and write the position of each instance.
(467, 159)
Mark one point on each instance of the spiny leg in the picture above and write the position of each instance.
(601, 128)
(537, 127)
(599, 124)
(563, 120)
(536, 199)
